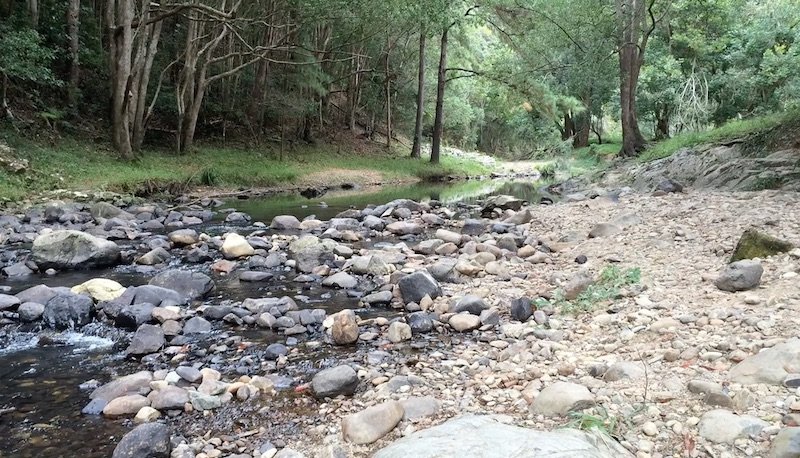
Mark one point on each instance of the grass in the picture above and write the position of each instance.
(79, 165)
(603, 422)
(608, 286)
(726, 132)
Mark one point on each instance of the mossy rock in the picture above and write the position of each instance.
(756, 244)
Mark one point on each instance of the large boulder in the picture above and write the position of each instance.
(68, 311)
(724, 427)
(344, 330)
(501, 203)
(309, 252)
(235, 246)
(193, 285)
(756, 244)
(150, 440)
(135, 383)
(770, 366)
(73, 250)
(285, 222)
(483, 437)
(740, 276)
(339, 380)
(100, 289)
(149, 338)
(415, 286)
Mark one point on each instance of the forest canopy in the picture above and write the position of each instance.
(513, 78)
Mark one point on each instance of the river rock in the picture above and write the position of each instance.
(310, 251)
(238, 218)
(724, 427)
(168, 398)
(136, 383)
(449, 236)
(579, 283)
(415, 286)
(196, 325)
(369, 265)
(345, 328)
(339, 380)
(150, 440)
(624, 370)
(68, 311)
(372, 423)
(501, 203)
(561, 398)
(193, 285)
(341, 280)
(235, 246)
(420, 322)
(756, 244)
(471, 304)
(255, 276)
(285, 222)
(184, 237)
(134, 315)
(521, 309)
(379, 298)
(404, 228)
(146, 414)
(463, 322)
(125, 405)
(189, 373)
(786, 444)
(155, 256)
(30, 311)
(415, 408)
(398, 332)
(483, 437)
(604, 230)
(100, 289)
(8, 302)
(149, 338)
(740, 276)
(770, 366)
(70, 249)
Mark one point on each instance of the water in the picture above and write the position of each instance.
(40, 375)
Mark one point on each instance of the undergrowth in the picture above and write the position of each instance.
(606, 287)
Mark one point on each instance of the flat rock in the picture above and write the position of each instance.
(561, 398)
(724, 427)
(416, 407)
(483, 437)
(770, 366)
(70, 249)
(150, 440)
(372, 423)
(341, 280)
(193, 285)
(339, 380)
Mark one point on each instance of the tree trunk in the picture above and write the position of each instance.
(584, 124)
(633, 34)
(662, 124)
(438, 123)
(73, 24)
(569, 127)
(33, 11)
(417, 146)
(6, 111)
(119, 19)
(388, 90)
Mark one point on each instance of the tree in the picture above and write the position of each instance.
(73, 24)
(420, 111)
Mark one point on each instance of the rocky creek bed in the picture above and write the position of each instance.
(404, 329)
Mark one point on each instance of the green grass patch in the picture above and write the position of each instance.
(79, 165)
(729, 131)
(605, 288)
(601, 421)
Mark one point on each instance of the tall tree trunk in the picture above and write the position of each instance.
(33, 11)
(6, 111)
(417, 146)
(73, 24)
(438, 122)
(119, 19)
(388, 90)
(662, 124)
(569, 127)
(584, 123)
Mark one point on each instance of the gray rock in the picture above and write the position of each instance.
(8, 302)
(135, 383)
(339, 380)
(463, 322)
(604, 230)
(415, 286)
(786, 444)
(285, 222)
(483, 437)
(193, 285)
(740, 276)
(237, 218)
(275, 351)
(398, 332)
(471, 304)
(153, 257)
(768, 366)
(30, 311)
(18, 269)
(168, 398)
(149, 440)
(579, 283)
(668, 186)
(420, 322)
(39, 293)
(724, 427)
(149, 338)
(372, 423)
(561, 398)
(369, 265)
(521, 309)
(428, 246)
(345, 328)
(341, 280)
(189, 373)
(310, 252)
(404, 228)
(379, 298)
(415, 408)
(255, 276)
(624, 370)
(202, 401)
(501, 203)
(70, 249)
(68, 311)
(184, 237)
(134, 315)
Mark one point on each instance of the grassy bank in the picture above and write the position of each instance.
(77, 165)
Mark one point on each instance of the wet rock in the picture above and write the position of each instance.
(70, 249)
(237, 218)
(345, 328)
(464, 322)
(135, 383)
(254, 276)
(756, 244)
(285, 222)
(8, 302)
(724, 427)
(125, 405)
(369, 265)
(372, 423)
(68, 311)
(150, 440)
(341, 280)
(471, 304)
(404, 228)
(18, 269)
(420, 322)
(379, 298)
(150, 294)
(39, 293)
(197, 255)
(483, 437)
(94, 407)
(786, 444)
(193, 285)
(415, 286)
(105, 210)
(168, 398)
(30, 311)
(339, 380)
(740, 276)
(134, 315)
(235, 246)
(560, 398)
(156, 256)
(184, 237)
(149, 338)
(275, 351)
(398, 332)
(100, 289)
(770, 366)
(521, 309)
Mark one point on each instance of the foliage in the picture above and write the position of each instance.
(602, 421)
(24, 57)
(606, 287)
